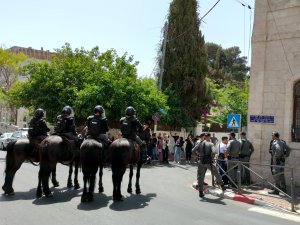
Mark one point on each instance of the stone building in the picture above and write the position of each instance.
(274, 101)
(22, 113)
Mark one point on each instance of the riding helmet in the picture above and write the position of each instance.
(99, 109)
(39, 113)
(67, 110)
(130, 111)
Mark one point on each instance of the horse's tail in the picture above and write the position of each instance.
(10, 158)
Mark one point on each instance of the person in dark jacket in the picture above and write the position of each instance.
(38, 129)
(97, 126)
(130, 126)
(65, 125)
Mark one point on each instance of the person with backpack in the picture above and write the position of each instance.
(244, 156)
(97, 126)
(130, 125)
(65, 125)
(38, 129)
(280, 150)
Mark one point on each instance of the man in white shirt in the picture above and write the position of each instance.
(221, 162)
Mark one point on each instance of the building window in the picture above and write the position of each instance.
(296, 114)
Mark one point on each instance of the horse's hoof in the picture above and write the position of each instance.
(55, 183)
(101, 189)
(8, 191)
(38, 194)
(129, 190)
(83, 198)
(90, 197)
(70, 185)
(118, 198)
(49, 194)
(76, 186)
(138, 191)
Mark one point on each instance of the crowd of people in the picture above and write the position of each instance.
(208, 152)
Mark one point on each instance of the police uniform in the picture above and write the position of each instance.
(233, 151)
(279, 160)
(245, 153)
(130, 126)
(97, 127)
(65, 126)
(38, 129)
(205, 150)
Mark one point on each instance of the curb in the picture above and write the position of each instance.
(230, 195)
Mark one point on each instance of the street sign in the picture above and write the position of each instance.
(262, 119)
(233, 120)
(156, 117)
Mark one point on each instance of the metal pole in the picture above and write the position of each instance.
(162, 67)
(292, 190)
(239, 177)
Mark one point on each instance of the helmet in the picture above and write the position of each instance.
(39, 113)
(67, 110)
(99, 109)
(130, 111)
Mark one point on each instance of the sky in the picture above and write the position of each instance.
(132, 26)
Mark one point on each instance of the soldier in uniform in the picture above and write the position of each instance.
(206, 153)
(245, 154)
(97, 126)
(65, 125)
(130, 125)
(278, 159)
(233, 151)
(38, 129)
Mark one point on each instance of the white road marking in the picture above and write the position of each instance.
(283, 215)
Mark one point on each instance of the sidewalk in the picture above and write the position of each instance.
(252, 195)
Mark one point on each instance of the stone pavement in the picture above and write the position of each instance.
(253, 195)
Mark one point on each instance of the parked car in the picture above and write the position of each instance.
(4, 139)
(18, 134)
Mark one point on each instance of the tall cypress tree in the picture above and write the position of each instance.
(185, 64)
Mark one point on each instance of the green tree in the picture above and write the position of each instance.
(185, 65)
(10, 65)
(226, 64)
(83, 79)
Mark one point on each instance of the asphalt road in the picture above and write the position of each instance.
(167, 198)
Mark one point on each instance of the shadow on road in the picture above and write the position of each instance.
(213, 200)
(100, 201)
(133, 202)
(26, 195)
(60, 195)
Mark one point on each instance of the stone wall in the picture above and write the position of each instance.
(275, 68)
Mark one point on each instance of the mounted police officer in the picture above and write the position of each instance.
(97, 126)
(38, 129)
(65, 125)
(129, 128)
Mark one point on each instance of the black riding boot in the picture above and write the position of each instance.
(143, 153)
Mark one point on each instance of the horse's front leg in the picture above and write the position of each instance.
(100, 184)
(137, 180)
(44, 176)
(76, 183)
(39, 192)
(53, 178)
(70, 183)
(129, 188)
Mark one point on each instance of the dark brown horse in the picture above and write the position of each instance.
(17, 152)
(123, 152)
(54, 149)
(92, 156)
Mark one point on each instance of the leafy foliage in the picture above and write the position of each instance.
(83, 79)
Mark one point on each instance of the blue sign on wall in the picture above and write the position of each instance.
(262, 119)
(233, 120)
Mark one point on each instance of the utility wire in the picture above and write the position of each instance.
(200, 21)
